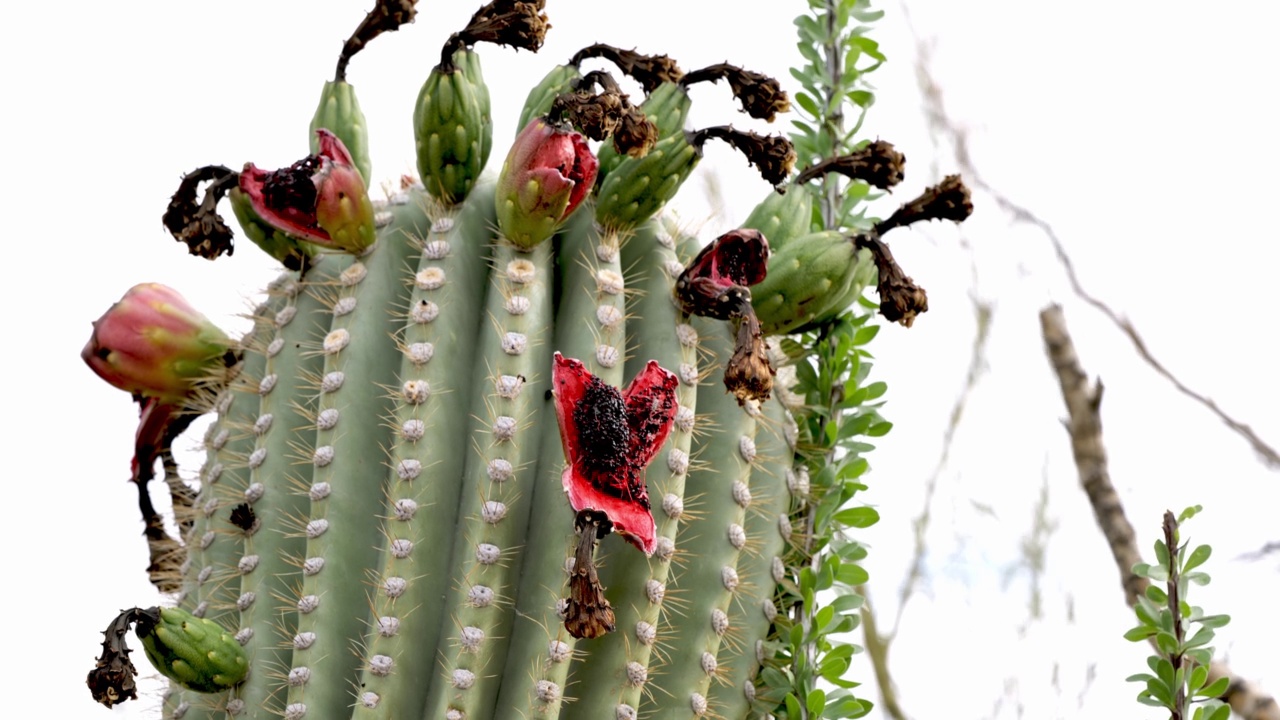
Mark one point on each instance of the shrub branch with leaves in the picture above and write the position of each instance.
(1180, 632)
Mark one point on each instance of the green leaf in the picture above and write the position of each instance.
(851, 574)
(1158, 691)
(876, 389)
(1197, 557)
(1216, 689)
(1140, 677)
(1166, 642)
(844, 604)
(1158, 574)
(1203, 656)
(858, 517)
(1146, 699)
(1199, 676)
(1214, 621)
(823, 617)
(1203, 637)
(880, 429)
(853, 469)
(847, 708)
(1141, 632)
(1140, 569)
(1222, 713)
(793, 706)
(1157, 595)
(809, 52)
(816, 702)
(805, 101)
(861, 98)
(1197, 577)
(865, 335)
(1162, 554)
(1189, 513)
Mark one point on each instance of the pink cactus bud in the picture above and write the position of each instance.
(153, 344)
(546, 176)
(320, 199)
(609, 437)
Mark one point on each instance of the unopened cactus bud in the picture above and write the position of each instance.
(320, 199)
(339, 112)
(811, 279)
(782, 217)
(153, 344)
(452, 127)
(197, 654)
(538, 102)
(545, 178)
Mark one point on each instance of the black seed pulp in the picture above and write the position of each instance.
(292, 187)
(601, 419)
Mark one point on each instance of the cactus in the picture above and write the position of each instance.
(423, 449)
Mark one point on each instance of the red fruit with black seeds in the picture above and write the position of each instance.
(609, 438)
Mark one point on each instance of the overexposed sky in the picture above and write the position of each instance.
(1143, 131)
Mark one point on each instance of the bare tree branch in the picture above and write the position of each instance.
(877, 647)
(1265, 550)
(942, 124)
(1085, 428)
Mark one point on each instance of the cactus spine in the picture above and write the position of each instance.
(382, 525)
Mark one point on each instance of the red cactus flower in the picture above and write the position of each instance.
(546, 176)
(153, 344)
(320, 199)
(609, 437)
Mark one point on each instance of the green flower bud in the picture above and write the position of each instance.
(197, 654)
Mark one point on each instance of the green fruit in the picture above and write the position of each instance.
(782, 217)
(667, 106)
(197, 654)
(452, 128)
(639, 187)
(339, 112)
(538, 103)
(811, 279)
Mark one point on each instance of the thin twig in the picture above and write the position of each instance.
(941, 123)
(982, 312)
(1085, 428)
(877, 647)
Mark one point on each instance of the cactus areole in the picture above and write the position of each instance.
(454, 396)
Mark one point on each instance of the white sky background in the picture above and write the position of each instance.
(1142, 131)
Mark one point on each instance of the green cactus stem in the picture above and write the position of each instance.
(435, 342)
(769, 533)
(590, 324)
(500, 478)
(347, 452)
(718, 490)
(264, 487)
(611, 682)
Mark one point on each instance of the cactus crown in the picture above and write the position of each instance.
(451, 400)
